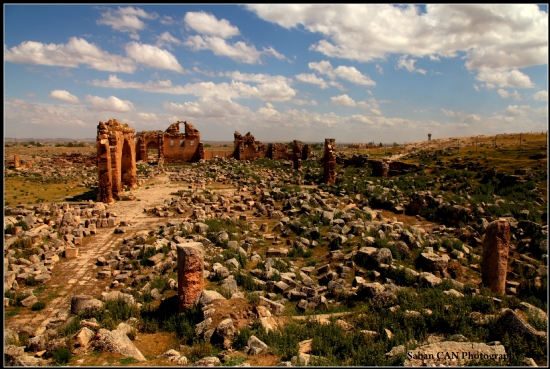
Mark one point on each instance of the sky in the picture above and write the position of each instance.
(355, 73)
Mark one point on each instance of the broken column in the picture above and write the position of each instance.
(329, 162)
(190, 273)
(380, 168)
(296, 155)
(494, 263)
(16, 162)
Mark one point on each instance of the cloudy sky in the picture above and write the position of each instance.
(356, 73)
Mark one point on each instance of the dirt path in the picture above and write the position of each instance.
(79, 275)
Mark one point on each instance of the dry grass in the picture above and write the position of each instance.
(18, 190)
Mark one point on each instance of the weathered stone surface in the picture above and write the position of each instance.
(496, 246)
(255, 346)
(116, 159)
(329, 161)
(190, 273)
(509, 322)
(208, 361)
(451, 353)
(206, 297)
(434, 262)
(116, 341)
(83, 337)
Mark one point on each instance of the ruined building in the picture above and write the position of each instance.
(247, 148)
(172, 145)
(297, 155)
(329, 161)
(116, 162)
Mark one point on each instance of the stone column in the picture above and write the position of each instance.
(16, 162)
(296, 155)
(329, 162)
(494, 263)
(190, 273)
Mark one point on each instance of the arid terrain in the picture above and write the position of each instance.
(446, 252)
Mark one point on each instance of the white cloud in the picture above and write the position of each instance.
(499, 37)
(258, 78)
(541, 95)
(408, 64)
(239, 51)
(513, 78)
(313, 79)
(152, 56)
(434, 58)
(449, 113)
(304, 102)
(166, 20)
(126, 20)
(518, 111)
(208, 24)
(379, 69)
(503, 93)
(20, 112)
(147, 116)
(208, 108)
(111, 104)
(63, 96)
(166, 39)
(31, 95)
(77, 51)
(343, 100)
(350, 74)
(354, 76)
(272, 91)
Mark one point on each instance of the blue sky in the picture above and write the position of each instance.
(356, 73)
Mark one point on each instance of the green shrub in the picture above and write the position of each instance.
(61, 356)
(39, 305)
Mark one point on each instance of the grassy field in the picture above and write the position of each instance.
(19, 191)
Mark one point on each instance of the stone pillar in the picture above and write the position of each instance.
(16, 162)
(296, 155)
(494, 264)
(190, 273)
(329, 162)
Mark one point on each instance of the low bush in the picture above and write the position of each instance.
(39, 305)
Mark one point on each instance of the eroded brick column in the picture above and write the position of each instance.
(16, 162)
(496, 246)
(329, 162)
(190, 273)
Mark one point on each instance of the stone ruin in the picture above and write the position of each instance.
(329, 161)
(116, 159)
(278, 151)
(380, 168)
(172, 145)
(247, 148)
(356, 146)
(496, 246)
(297, 155)
(190, 273)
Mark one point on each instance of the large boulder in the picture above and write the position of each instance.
(118, 342)
(494, 264)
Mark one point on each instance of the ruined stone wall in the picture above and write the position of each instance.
(115, 159)
(297, 155)
(380, 168)
(306, 152)
(278, 151)
(247, 148)
(329, 161)
(173, 145)
(399, 167)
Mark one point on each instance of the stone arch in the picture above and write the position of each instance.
(127, 164)
(152, 145)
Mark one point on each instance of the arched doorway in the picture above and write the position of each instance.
(152, 152)
(126, 164)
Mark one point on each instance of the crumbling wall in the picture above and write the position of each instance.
(173, 146)
(247, 148)
(380, 168)
(329, 161)
(297, 155)
(278, 151)
(115, 159)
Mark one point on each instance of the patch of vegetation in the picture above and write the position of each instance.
(61, 356)
(39, 305)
